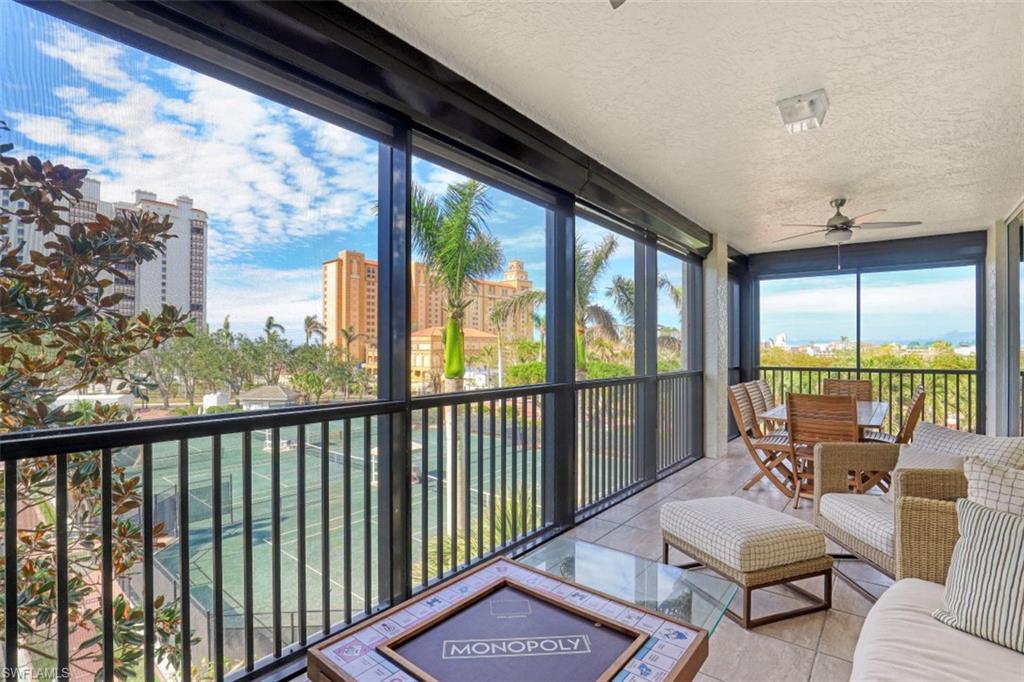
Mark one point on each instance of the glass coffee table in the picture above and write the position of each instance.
(694, 597)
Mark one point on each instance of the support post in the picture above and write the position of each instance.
(560, 407)
(646, 351)
(716, 349)
(992, 357)
(393, 441)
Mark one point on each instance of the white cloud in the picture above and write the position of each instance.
(97, 61)
(265, 174)
(250, 294)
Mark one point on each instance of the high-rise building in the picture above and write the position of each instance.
(177, 277)
(350, 301)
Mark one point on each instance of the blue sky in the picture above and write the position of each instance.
(284, 191)
(904, 306)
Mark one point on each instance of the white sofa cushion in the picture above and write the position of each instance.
(996, 449)
(742, 534)
(869, 517)
(901, 642)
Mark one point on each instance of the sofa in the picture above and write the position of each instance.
(909, 532)
(902, 642)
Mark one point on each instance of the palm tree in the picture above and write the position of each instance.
(511, 308)
(590, 317)
(451, 236)
(312, 327)
(272, 328)
(349, 335)
(678, 298)
(622, 291)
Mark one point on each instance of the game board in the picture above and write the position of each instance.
(503, 621)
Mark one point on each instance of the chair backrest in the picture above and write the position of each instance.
(766, 393)
(913, 416)
(858, 388)
(743, 411)
(817, 419)
(756, 397)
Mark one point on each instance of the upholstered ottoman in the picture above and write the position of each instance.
(751, 545)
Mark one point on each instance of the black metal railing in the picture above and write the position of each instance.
(951, 395)
(607, 448)
(680, 401)
(264, 529)
(478, 477)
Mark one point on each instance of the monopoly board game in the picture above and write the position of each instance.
(503, 621)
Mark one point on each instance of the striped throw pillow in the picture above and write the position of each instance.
(985, 584)
(996, 449)
(993, 486)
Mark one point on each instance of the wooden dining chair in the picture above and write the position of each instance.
(858, 388)
(772, 453)
(906, 431)
(766, 393)
(817, 419)
(760, 406)
(866, 480)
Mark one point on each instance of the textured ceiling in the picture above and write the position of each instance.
(926, 117)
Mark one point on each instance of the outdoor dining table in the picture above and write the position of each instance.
(870, 414)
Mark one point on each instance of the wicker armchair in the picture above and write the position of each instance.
(910, 537)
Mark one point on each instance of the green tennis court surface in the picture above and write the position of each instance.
(362, 523)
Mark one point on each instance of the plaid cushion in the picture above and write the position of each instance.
(993, 486)
(995, 449)
(868, 517)
(985, 585)
(742, 534)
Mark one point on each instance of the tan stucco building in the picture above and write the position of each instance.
(350, 300)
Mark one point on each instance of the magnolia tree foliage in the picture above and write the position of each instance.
(60, 332)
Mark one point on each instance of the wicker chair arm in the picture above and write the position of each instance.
(934, 484)
(833, 463)
(926, 532)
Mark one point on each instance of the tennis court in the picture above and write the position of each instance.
(362, 522)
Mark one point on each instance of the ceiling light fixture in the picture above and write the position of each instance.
(803, 112)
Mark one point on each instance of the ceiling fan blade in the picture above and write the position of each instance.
(804, 225)
(797, 236)
(867, 216)
(885, 226)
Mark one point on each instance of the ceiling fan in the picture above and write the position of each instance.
(839, 228)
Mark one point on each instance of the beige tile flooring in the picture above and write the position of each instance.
(816, 647)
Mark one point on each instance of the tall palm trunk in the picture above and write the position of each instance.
(501, 360)
(455, 478)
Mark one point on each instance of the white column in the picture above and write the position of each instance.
(997, 273)
(716, 349)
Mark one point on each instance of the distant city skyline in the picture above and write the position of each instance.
(901, 306)
(283, 190)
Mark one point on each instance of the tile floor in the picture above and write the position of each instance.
(815, 647)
